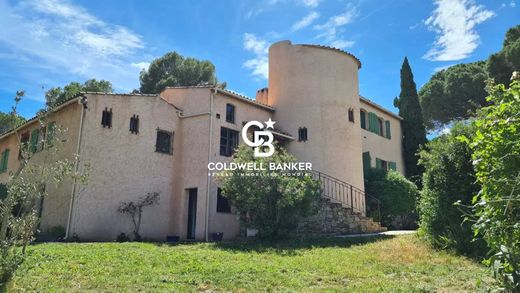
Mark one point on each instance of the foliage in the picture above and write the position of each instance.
(274, 201)
(3, 191)
(397, 195)
(363, 264)
(502, 64)
(453, 94)
(122, 237)
(414, 133)
(448, 178)
(9, 121)
(26, 185)
(173, 69)
(57, 95)
(135, 210)
(496, 158)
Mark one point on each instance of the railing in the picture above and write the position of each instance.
(348, 195)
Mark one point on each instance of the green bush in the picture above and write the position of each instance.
(3, 191)
(496, 157)
(397, 195)
(272, 201)
(448, 178)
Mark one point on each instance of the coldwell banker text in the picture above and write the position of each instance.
(255, 166)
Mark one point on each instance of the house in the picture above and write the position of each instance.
(136, 143)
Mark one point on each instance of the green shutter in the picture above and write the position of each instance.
(378, 164)
(34, 141)
(367, 161)
(51, 129)
(392, 166)
(4, 161)
(388, 134)
(371, 122)
(363, 119)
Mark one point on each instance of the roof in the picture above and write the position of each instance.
(334, 49)
(228, 93)
(369, 102)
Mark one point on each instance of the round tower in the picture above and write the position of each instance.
(314, 87)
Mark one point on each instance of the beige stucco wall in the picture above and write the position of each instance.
(314, 87)
(380, 146)
(124, 167)
(195, 146)
(56, 204)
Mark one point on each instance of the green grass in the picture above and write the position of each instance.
(401, 263)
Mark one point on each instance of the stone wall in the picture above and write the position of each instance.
(333, 218)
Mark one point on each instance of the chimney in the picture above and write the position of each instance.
(262, 96)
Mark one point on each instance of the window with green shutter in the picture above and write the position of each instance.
(367, 161)
(4, 159)
(388, 134)
(33, 147)
(379, 163)
(363, 119)
(51, 129)
(392, 166)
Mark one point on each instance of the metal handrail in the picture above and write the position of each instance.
(349, 195)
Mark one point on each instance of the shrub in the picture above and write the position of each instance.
(274, 201)
(122, 238)
(448, 178)
(496, 157)
(135, 210)
(397, 195)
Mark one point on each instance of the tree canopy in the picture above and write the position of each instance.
(502, 64)
(57, 95)
(8, 121)
(414, 133)
(173, 69)
(453, 94)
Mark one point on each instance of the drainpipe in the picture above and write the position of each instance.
(83, 102)
(210, 146)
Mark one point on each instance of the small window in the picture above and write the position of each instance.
(230, 113)
(228, 141)
(24, 144)
(164, 142)
(223, 205)
(218, 116)
(387, 132)
(351, 115)
(134, 124)
(363, 119)
(106, 118)
(4, 159)
(302, 134)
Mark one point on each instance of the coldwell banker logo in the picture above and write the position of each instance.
(259, 143)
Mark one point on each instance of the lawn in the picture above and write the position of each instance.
(401, 263)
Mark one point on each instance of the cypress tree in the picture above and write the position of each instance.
(414, 132)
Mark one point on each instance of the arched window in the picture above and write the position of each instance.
(363, 118)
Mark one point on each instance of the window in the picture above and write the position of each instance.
(164, 142)
(35, 137)
(392, 166)
(106, 118)
(134, 124)
(385, 165)
(223, 205)
(228, 141)
(230, 113)
(4, 159)
(24, 144)
(51, 130)
(302, 134)
(363, 119)
(351, 115)
(367, 161)
(376, 124)
(380, 125)
(387, 132)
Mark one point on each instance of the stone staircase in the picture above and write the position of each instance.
(341, 210)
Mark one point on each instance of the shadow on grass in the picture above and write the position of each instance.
(293, 245)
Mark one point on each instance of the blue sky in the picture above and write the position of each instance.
(47, 43)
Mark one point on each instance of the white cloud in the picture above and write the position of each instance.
(512, 4)
(69, 40)
(259, 65)
(342, 44)
(439, 68)
(330, 30)
(310, 3)
(141, 65)
(305, 21)
(454, 22)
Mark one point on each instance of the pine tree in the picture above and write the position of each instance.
(414, 132)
